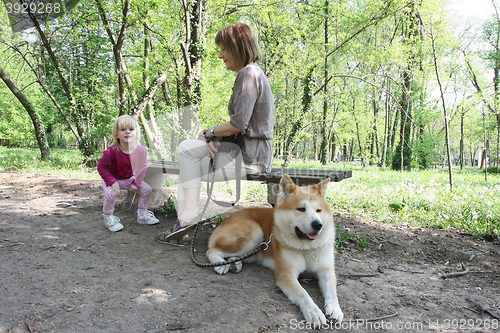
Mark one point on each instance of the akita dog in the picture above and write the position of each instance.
(300, 233)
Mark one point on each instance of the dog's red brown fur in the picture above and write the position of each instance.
(301, 236)
(239, 234)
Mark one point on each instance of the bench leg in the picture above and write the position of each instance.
(272, 193)
(156, 181)
(157, 197)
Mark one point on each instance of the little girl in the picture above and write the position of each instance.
(123, 167)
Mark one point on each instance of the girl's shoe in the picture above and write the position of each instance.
(112, 223)
(145, 216)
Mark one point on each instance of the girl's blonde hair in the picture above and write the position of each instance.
(124, 122)
(240, 42)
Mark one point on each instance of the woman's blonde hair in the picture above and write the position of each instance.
(124, 122)
(240, 42)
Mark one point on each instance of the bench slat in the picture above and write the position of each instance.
(168, 167)
(299, 176)
(302, 176)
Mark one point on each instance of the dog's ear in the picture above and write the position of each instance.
(321, 187)
(287, 186)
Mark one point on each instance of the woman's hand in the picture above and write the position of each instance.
(212, 149)
(133, 188)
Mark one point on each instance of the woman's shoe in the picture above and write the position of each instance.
(175, 233)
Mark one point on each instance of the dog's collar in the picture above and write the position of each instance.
(264, 246)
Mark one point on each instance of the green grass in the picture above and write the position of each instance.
(419, 198)
(344, 238)
(64, 162)
(422, 199)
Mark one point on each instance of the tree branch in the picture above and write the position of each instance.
(139, 107)
(371, 22)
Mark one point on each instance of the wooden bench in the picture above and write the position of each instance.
(299, 176)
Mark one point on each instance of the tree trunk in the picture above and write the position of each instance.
(394, 129)
(387, 124)
(117, 42)
(462, 155)
(484, 157)
(37, 123)
(83, 142)
(324, 140)
(192, 52)
(299, 123)
(402, 159)
(358, 135)
(445, 112)
(148, 123)
(374, 147)
(498, 140)
(51, 96)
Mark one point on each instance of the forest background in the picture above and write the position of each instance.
(376, 80)
(391, 83)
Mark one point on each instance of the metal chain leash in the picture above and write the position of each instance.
(210, 184)
(262, 247)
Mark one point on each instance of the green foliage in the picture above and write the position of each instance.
(66, 162)
(369, 44)
(217, 219)
(216, 88)
(493, 169)
(407, 156)
(397, 206)
(424, 152)
(422, 198)
(344, 238)
(171, 206)
(363, 242)
(361, 52)
(16, 128)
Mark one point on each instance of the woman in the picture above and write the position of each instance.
(251, 113)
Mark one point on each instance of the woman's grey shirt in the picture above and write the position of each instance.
(251, 109)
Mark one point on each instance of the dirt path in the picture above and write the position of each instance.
(61, 271)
